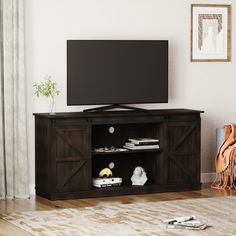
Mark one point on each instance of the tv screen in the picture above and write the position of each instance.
(117, 72)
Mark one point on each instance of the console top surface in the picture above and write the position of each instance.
(118, 113)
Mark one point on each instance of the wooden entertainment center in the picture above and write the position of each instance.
(65, 163)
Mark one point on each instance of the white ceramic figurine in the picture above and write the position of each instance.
(139, 176)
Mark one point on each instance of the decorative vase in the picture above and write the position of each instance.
(52, 103)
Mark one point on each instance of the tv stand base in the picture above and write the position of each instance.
(114, 106)
(66, 159)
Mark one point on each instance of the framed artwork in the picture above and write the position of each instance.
(210, 32)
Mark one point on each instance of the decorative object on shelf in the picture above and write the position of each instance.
(105, 178)
(106, 172)
(139, 176)
(210, 32)
(47, 88)
(109, 149)
(141, 143)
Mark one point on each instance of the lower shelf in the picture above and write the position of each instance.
(126, 189)
(121, 190)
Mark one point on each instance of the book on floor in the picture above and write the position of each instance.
(186, 222)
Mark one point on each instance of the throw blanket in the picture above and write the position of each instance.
(225, 159)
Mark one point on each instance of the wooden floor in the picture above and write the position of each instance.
(38, 203)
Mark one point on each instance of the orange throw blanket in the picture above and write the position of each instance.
(225, 159)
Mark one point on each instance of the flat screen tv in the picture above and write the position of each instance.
(117, 72)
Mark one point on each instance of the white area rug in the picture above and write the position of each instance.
(138, 218)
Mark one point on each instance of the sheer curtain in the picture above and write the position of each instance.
(13, 140)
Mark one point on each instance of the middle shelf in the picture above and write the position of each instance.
(126, 152)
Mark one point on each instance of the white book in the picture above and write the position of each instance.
(106, 185)
(175, 226)
(142, 140)
(132, 145)
(141, 144)
(142, 147)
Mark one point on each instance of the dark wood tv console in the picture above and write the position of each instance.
(65, 163)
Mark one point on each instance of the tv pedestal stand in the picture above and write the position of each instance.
(114, 106)
(66, 160)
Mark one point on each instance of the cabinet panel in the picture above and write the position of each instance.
(72, 142)
(72, 158)
(183, 159)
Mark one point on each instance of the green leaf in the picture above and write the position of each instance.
(46, 88)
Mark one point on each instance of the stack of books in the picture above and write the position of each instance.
(142, 143)
(186, 222)
(106, 182)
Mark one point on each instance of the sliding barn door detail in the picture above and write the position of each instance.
(183, 164)
(73, 158)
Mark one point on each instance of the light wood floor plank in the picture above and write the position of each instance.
(7, 229)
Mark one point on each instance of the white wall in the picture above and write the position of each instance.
(205, 86)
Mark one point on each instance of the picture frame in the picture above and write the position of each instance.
(210, 33)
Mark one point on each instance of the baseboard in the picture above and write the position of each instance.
(32, 189)
(207, 177)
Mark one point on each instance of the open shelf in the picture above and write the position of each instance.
(127, 188)
(126, 152)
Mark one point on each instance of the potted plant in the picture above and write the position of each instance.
(47, 88)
